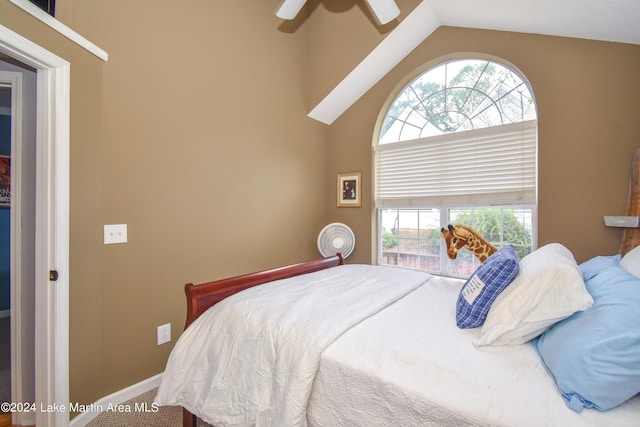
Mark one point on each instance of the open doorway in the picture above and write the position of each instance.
(18, 89)
(5, 244)
(51, 231)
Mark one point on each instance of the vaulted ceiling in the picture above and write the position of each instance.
(605, 20)
(608, 20)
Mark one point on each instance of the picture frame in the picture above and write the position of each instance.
(349, 190)
(5, 181)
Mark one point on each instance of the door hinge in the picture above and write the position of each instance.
(53, 275)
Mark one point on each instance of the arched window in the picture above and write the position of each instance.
(456, 146)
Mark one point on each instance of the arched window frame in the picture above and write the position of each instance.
(455, 188)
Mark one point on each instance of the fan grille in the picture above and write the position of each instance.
(334, 238)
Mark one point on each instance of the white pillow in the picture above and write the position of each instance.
(631, 261)
(549, 288)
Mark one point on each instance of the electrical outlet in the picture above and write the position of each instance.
(164, 334)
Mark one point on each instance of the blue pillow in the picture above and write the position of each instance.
(594, 355)
(484, 286)
(596, 265)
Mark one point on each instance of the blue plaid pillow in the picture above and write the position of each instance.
(484, 286)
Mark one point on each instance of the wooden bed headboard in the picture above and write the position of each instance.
(201, 297)
(631, 236)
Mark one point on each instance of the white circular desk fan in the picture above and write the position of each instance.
(334, 238)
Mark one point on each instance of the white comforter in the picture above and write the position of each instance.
(410, 366)
(252, 358)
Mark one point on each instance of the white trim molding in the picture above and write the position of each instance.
(19, 346)
(94, 409)
(52, 22)
(412, 31)
(52, 242)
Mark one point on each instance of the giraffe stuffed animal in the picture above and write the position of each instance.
(460, 236)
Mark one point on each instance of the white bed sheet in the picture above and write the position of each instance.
(410, 365)
(252, 358)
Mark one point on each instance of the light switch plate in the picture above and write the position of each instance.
(115, 233)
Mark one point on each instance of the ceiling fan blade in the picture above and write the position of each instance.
(288, 9)
(384, 10)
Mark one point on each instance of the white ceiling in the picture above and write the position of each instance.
(606, 20)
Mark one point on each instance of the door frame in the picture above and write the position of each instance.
(19, 334)
(52, 225)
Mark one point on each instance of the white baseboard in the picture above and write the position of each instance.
(115, 399)
(5, 313)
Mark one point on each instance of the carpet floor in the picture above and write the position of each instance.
(166, 416)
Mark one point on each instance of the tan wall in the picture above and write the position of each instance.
(86, 100)
(208, 156)
(587, 99)
(195, 134)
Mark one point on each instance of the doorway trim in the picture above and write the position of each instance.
(18, 305)
(52, 225)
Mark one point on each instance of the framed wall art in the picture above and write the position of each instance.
(5, 181)
(350, 189)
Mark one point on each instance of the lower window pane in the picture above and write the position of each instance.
(411, 238)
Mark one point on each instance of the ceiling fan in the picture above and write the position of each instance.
(383, 10)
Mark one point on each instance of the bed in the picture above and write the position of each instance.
(327, 343)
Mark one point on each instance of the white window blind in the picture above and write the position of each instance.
(494, 165)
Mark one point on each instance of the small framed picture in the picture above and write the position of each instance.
(350, 189)
(5, 181)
